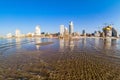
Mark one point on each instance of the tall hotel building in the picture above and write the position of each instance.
(71, 27)
(62, 28)
(17, 33)
(37, 30)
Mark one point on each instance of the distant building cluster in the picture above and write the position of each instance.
(64, 30)
(19, 35)
(67, 32)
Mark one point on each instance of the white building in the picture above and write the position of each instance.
(62, 29)
(17, 33)
(37, 30)
(9, 35)
(65, 30)
(97, 34)
(71, 27)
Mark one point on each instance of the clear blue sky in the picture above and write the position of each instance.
(49, 14)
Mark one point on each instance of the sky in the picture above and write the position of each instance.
(89, 15)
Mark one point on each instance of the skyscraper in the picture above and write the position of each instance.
(37, 30)
(66, 32)
(83, 33)
(71, 27)
(62, 29)
(17, 33)
(114, 33)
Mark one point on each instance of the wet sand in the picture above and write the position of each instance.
(78, 64)
(59, 66)
(44, 43)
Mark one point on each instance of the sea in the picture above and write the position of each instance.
(109, 47)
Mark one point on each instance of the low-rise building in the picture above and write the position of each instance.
(9, 35)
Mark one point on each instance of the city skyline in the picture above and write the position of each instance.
(87, 15)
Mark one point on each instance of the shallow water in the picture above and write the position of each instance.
(11, 46)
(110, 47)
(83, 59)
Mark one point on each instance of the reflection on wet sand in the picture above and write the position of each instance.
(38, 40)
(61, 43)
(71, 45)
(10, 42)
(107, 43)
(114, 43)
(110, 43)
(18, 43)
(84, 42)
(97, 42)
(111, 48)
(66, 44)
(117, 44)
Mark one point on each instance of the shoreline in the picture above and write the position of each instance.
(58, 37)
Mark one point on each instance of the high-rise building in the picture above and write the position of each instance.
(37, 30)
(17, 33)
(114, 33)
(71, 27)
(62, 28)
(66, 30)
(83, 33)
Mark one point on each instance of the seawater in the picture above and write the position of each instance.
(110, 47)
